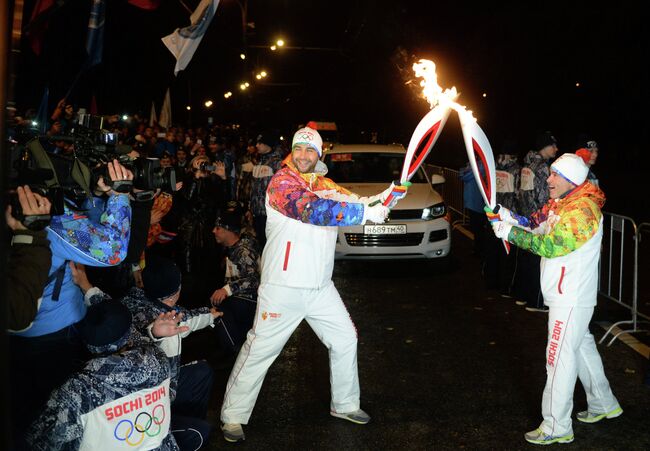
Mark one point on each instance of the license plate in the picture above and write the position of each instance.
(384, 229)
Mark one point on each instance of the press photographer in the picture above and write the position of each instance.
(49, 347)
(29, 257)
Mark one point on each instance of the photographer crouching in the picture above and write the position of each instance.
(47, 351)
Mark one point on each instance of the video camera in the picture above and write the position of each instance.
(73, 177)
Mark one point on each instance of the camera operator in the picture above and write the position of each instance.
(46, 353)
(203, 194)
(29, 259)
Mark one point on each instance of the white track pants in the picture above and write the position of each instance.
(279, 311)
(571, 352)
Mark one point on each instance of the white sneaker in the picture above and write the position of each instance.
(233, 432)
(591, 417)
(539, 437)
(358, 416)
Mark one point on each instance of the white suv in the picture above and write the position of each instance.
(418, 227)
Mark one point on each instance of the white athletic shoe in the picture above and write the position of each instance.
(592, 417)
(233, 432)
(358, 416)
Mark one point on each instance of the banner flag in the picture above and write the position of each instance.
(183, 42)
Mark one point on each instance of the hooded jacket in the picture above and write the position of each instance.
(78, 237)
(303, 212)
(567, 233)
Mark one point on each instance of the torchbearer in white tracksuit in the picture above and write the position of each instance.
(303, 210)
(566, 233)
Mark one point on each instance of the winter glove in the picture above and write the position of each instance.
(395, 193)
(501, 213)
(501, 229)
(398, 192)
(377, 214)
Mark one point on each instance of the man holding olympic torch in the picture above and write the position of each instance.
(303, 211)
(566, 233)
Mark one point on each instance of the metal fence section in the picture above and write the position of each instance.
(451, 191)
(619, 270)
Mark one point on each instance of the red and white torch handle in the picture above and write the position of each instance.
(423, 138)
(477, 144)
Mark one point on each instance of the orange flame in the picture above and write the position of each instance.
(433, 92)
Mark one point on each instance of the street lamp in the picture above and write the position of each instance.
(242, 56)
(188, 108)
(227, 95)
(273, 47)
(208, 103)
(279, 43)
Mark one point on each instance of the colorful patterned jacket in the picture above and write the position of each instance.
(566, 233)
(303, 212)
(116, 402)
(77, 237)
(533, 192)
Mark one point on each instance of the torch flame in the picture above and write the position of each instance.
(433, 92)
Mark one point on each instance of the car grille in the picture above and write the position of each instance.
(405, 214)
(405, 239)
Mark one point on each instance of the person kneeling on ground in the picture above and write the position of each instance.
(192, 382)
(237, 299)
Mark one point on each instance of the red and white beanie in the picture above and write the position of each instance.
(571, 167)
(309, 137)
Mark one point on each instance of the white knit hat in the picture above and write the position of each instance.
(309, 137)
(571, 167)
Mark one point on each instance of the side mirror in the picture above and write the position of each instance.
(437, 179)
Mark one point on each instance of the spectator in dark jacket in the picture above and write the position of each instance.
(29, 260)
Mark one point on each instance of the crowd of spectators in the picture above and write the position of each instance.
(110, 302)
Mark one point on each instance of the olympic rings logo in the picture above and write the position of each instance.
(124, 433)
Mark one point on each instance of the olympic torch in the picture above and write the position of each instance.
(477, 145)
(430, 126)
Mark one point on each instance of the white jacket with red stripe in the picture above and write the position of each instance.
(303, 212)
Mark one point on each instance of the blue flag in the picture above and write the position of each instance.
(95, 38)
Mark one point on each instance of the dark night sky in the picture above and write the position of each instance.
(527, 58)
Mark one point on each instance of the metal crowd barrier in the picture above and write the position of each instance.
(617, 281)
(451, 191)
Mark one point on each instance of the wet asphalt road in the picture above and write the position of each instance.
(444, 364)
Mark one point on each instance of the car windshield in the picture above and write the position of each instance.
(367, 167)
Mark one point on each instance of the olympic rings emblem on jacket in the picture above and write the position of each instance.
(142, 424)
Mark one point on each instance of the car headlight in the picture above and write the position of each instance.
(434, 211)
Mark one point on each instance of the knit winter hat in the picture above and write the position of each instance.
(545, 139)
(161, 278)
(106, 327)
(585, 154)
(309, 137)
(269, 137)
(230, 218)
(571, 167)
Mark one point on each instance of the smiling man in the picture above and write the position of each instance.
(566, 233)
(303, 209)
